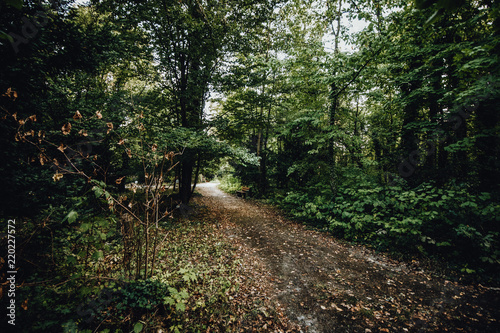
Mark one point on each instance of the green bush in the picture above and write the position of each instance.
(230, 184)
(447, 223)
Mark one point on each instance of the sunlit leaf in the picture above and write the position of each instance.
(180, 306)
(138, 327)
(98, 191)
(72, 216)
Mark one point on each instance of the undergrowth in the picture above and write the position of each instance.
(230, 184)
(450, 225)
(188, 292)
(196, 285)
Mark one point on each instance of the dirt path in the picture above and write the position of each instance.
(328, 286)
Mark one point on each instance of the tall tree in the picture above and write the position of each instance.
(189, 39)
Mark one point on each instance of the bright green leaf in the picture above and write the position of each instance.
(138, 327)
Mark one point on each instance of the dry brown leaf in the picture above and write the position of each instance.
(170, 156)
(121, 142)
(129, 152)
(12, 94)
(154, 147)
(336, 307)
(42, 159)
(83, 132)
(66, 129)
(119, 180)
(32, 118)
(24, 305)
(61, 148)
(57, 176)
(98, 114)
(110, 127)
(77, 115)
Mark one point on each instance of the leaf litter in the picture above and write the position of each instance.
(308, 281)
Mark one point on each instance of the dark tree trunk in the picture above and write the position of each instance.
(409, 145)
(186, 178)
(332, 153)
(488, 146)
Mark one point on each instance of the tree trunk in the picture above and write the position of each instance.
(186, 177)
(487, 146)
(409, 143)
(332, 152)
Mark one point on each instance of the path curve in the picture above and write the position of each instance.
(329, 286)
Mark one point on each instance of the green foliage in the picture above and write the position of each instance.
(230, 183)
(428, 220)
(99, 96)
(139, 296)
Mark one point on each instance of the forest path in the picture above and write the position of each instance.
(328, 286)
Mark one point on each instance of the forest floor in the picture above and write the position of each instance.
(325, 285)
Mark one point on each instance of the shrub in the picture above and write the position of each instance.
(230, 184)
(448, 223)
